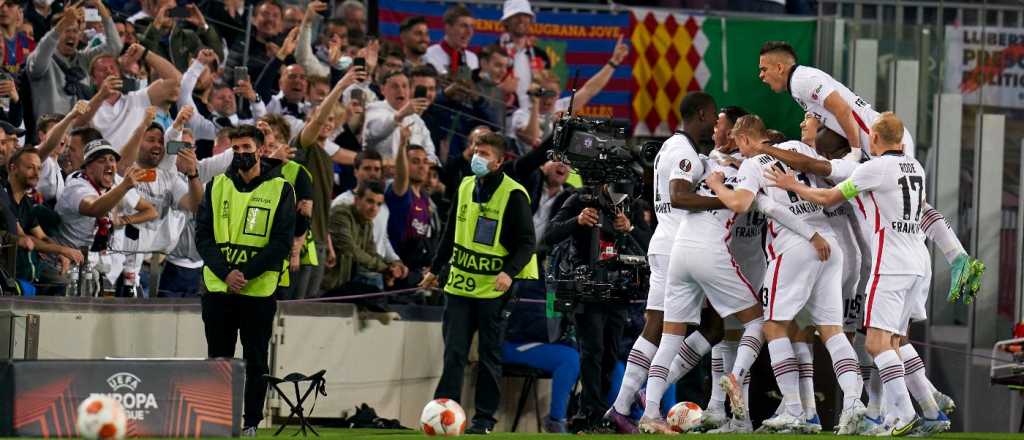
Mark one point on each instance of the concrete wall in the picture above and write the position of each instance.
(391, 366)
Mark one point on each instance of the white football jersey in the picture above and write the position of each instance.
(751, 178)
(678, 159)
(809, 88)
(711, 226)
(892, 189)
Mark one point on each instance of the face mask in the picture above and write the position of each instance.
(243, 161)
(44, 2)
(479, 165)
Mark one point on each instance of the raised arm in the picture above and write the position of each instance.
(596, 83)
(102, 205)
(304, 50)
(738, 201)
(130, 150)
(309, 133)
(401, 183)
(844, 115)
(113, 44)
(60, 129)
(819, 196)
(797, 161)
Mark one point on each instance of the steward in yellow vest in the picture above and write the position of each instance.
(488, 242)
(244, 231)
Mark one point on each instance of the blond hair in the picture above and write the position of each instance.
(889, 129)
(749, 125)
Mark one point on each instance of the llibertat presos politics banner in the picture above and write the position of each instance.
(985, 65)
(162, 398)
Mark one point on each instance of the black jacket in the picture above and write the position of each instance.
(516, 236)
(272, 256)
(564, 226)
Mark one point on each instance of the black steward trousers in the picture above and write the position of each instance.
(462, 317)
(226, 316)
(599, 330)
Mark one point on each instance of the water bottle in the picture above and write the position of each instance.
(71, 289)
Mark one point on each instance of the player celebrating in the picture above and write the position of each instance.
(800, 277)
(932, 225)
(845, 113)
(893, 186)
(700, 266)
(672, 172)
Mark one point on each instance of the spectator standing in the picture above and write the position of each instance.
(368, 167)
(330, 46)
(310, 153)
(415, 36)
(119, 107)
(11, 109)
(490, 220)
(51, 147)
(185, 36)
(493, 86)
(219, 99)
(354, 14)
(16, 44)
(534, 124)
(410, 228)
(360, 268)
(380, 133)
(95, 200)
(56, 69)
(517, 17)
(126, 31)
(452, 56)
(22, 178)
(9, 135)
(268, 35)
(244, 247)
(291, 100)
(40, 14)
(150, 9)
(229, 17)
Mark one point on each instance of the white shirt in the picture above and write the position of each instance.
(751, 178)
(438, 58)
(276, 105)
(381, 242)
(521, 118)
(677, 160)
(543, 214)
(117, 122)
(77, 230)
(381, 134)
(203, 128)
(51, 181)
(892, 187)
(810, 87)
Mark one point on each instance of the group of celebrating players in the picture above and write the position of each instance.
(842, 218)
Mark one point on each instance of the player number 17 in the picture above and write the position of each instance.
(911, 184)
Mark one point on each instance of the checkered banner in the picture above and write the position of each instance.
(675, 53)
(669, 62)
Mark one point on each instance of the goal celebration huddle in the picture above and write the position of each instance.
(788, 241)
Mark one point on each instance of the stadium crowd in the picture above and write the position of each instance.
(120, 118)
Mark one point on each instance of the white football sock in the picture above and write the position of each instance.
(637, 364)
(805, 360)
(787, 374)
(844, 362)
(690, 353)
(656, 378)
(917, 383)
(897, 398)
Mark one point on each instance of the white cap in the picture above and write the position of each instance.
(513, 7)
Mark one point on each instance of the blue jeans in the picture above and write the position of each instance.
(562, 361)
(180, 282)
(668, 401)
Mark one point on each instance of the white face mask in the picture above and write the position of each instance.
(44, 3)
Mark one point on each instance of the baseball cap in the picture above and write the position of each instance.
(97, 148)
(10, 129)
(513, 7)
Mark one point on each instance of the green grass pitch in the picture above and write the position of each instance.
(381, 434)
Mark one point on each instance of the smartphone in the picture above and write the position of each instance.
(149, 175)
(179, 12)
(131, 232)
(173, 147)
(241, 74)
(359, 62)
(420, 92)
(92, 15)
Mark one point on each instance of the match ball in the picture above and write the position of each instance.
(443, 417)
(684, 416)
(101, 417)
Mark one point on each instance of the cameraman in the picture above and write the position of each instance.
(599, 326)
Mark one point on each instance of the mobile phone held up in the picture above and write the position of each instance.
(241, 74)
(419, 92)
(173, 147)
(149, 175)
(359, 62)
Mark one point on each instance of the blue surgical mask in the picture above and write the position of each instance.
(479, 165)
